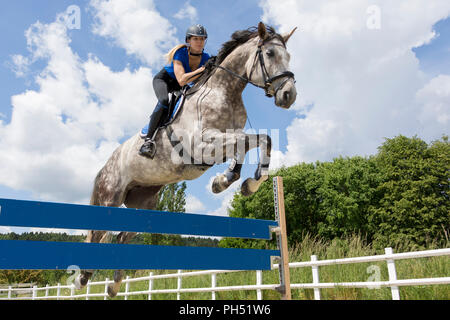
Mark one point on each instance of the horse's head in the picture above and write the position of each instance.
(269, 68)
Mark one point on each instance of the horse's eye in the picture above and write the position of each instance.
(270, 52)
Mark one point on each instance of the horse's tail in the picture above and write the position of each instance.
(94, 196)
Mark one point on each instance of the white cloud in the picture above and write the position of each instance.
(194, 205)
(62, 133)
(435, 99)
(4, 230)
(187, 12)
(358, 85)
(136, 26)
(67, 231)
(19, 65)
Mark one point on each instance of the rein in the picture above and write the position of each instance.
(268, 80)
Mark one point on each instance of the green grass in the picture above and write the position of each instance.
(353, 246)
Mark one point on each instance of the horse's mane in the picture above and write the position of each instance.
(237, 38)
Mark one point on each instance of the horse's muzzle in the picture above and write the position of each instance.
(286, 96)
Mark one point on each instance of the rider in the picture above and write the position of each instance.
(185, 64)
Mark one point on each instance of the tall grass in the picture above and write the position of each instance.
(353, 246)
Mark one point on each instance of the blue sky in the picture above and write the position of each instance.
(327, 121)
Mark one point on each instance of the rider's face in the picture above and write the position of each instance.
(197, 43)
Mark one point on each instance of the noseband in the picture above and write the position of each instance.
(268, 80)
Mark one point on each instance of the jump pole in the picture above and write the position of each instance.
(280, 216)
(41, 255)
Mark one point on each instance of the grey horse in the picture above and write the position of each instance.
(208, 130)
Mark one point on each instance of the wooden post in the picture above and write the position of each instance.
(285, 283)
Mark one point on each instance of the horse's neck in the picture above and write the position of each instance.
(235, 62)
(220, 103)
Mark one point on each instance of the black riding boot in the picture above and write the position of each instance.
(148, 149)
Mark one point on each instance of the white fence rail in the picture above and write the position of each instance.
(315, 264)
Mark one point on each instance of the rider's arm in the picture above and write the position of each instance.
(184, 78)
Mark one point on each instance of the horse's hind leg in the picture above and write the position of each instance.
(139, 198)
(93, 236)
(107, 192)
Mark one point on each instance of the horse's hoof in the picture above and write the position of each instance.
(78, 283)
(246, 187)
(111, 292)
(81, 280)
(219, 184)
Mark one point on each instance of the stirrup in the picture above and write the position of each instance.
(148, 149)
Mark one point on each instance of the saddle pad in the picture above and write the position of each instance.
(175, 109)
(144, 130)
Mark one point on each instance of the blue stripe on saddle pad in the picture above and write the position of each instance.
(144, 130)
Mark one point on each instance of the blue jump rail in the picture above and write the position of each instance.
(32, 255)
(21, 213)
(47, 255)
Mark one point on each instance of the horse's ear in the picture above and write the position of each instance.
(288, 35)
(262, 30)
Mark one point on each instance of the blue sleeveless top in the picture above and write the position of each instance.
(182, 55)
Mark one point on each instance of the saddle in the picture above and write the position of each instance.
(176, 103)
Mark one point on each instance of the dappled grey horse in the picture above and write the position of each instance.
(208, 130)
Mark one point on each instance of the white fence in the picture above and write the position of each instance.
(315, 264)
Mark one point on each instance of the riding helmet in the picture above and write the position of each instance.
(196, 30)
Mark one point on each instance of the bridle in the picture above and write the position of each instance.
(269, 90)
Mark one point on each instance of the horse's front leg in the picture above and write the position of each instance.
(236, 145)
(251, 185)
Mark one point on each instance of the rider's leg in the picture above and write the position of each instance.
(148, 148)
(161, 87)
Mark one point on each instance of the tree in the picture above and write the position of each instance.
(171, 198)
(399, 195)
(414, 204)
(329, 199)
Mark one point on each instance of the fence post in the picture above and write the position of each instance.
(316, 280)
(179, 286)
(258, 283)
(106, 289)
(213, 285)
(88, 289)
(150, 286)
(46, 290)
(392, 274)
(34, 293)
(58, 291)
(127, 287)
(72, 291)
(9, 292)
